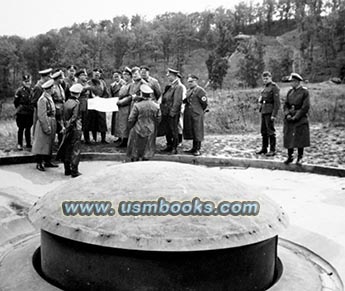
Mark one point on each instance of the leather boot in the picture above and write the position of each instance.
(67, 169)
(264, 145)
(272, 151)
(193, 149)
(197, 150)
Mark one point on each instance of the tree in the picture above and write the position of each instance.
(253, 64)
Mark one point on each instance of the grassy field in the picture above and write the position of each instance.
(231, 111)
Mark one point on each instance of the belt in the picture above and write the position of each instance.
(265, 102)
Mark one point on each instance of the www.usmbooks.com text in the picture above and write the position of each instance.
(161, 207)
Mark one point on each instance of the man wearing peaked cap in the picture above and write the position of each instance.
(124, 104)
(24, 112)
(295, 76)
(269, 106)
(296, 123)
(38, 91)
(171, 108)
(146, 90)
(97, 120)
(193, 119)
(83, 99)
(69, 150)
(45, 128)
(173, 71)
(69, 80)
(59, 99)
(48, 84)
(76, 89)
(152, 82)
(45, 72)
(142, 121)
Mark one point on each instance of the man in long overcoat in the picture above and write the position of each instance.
(45, 128)
(171, 108)
(124, 104)
(143, 121)
(193, 119)
(296, 123)
(114, 92)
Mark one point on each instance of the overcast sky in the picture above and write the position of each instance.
(28, 18)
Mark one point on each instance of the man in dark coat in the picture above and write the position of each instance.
(269, 105)
(69, 151)
(143, 121)
(84, 96)
(38, 91)
(152, 82)
(24, 112)
(296, 124)
(70, 80)
(114, 92)
(58, 96)
(193, 119)
(97, 120)
(171, 108)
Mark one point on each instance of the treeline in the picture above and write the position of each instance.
(169, 39)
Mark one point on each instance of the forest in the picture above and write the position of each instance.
(171, 39)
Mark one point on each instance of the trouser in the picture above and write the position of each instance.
(72, 155)
(300, 152)
(27, 135)
(172, 130)
(268, 132)
(24, 123)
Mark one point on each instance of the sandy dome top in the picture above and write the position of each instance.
(148, 181)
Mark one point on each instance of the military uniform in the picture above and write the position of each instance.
(124, 104)
(36, 94)
(84, 96)
(45, 129)
(97, 120)
(193, 121)
(154, 84)
(114, 92)
(296, 129)
(269, 106)
(58, 96)
(171, 108)
(24, 114)
(68, 82)
(143, 121)
(69, 151)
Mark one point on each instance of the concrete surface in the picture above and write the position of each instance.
(315, 204)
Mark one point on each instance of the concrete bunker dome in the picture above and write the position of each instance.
(128, 252)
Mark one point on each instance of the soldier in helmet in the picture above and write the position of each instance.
(24, 112)
(296, 123)
(269, 105)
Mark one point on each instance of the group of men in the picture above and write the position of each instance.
(144, 112)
